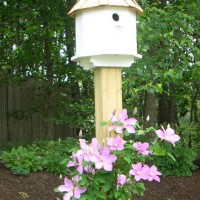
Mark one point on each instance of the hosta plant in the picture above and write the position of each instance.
(22, 161)
(118, 167)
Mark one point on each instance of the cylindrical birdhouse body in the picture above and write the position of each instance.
(106, 36)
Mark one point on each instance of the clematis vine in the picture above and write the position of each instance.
(116, 143)
(168, 135)
(88, 151)
(126, 123)
(137, 171)
(151, 173)
(106, 168)
(71, 188)
(144, 172)
(77, 162)
(104, 159)
(142, 147)
(121, 180)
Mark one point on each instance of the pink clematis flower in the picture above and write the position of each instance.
(127, 123)
(72, 188)
(104, 160)
(77, 162)
(136, 171)
(89, 169)
(116, 143)
(142, 148)
(121, 180)
(168, 135)
(151, 173)
(88, 151)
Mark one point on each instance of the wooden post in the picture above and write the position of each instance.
(108, 97)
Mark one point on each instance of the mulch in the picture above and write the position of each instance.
(40, 186)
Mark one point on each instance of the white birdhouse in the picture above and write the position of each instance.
(106, 34)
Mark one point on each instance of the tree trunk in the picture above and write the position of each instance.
(166, 107)
(49, 84)
(149, 109)
(149, 112)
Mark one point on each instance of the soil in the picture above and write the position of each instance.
(40, 186)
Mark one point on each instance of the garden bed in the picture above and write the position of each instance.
(40, 186)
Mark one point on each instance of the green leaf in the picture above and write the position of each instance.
(126, 133)
(56, 190)
(157, 150)
(107, 186)
(118, 123)
(128, 159)
(171, 156)
(100, 195)
(100, 178)
(140, 132)
(104, 123)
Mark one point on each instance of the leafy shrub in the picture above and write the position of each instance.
(45, 147)
(177, 162)
(190, 134)
(54, 153)
(55, 163)
(48, 155)
(22, 161)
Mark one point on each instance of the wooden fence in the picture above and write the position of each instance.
(17, 123)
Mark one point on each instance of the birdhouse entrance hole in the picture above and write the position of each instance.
(115, 17)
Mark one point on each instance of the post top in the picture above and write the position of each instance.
(85, 4)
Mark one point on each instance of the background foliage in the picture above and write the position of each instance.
(37, 42)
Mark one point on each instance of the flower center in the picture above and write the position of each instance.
(167, 137)
(151, 174)
(138, 173)
(116, 145)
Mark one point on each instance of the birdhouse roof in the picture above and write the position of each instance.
(85, 4)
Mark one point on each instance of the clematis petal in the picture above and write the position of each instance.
(110, 158)
(157, 178)
(130, 129)
(175, 137)
(137, 145)
(146, 152)
(123, 115)
(111, 127)
(145, 145)
(68, 195)
(153, 168)
(78, 191)
(170, 131)
(132, 172)
(105, 151)
(63, 188)
(80, 152)
(108, 167)
(110, 141)
(94, 142)
(160, 134)
(80, 169)
(68, 183)
(70, 164)
(130, 121)
(98, 165)
(119, 129)
(114, 118)
(137, 178)
(83, 144)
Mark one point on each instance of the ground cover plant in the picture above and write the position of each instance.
(40, 155)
